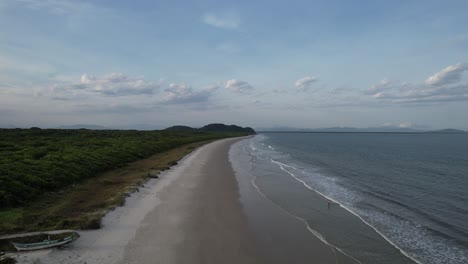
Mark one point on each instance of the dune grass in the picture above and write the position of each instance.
(80, 204)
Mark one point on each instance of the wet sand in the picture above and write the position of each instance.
(281, 236)
(193, 214)
(199, 220)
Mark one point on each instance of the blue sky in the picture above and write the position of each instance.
(305, 64)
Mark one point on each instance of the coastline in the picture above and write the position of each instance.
(282, 237)
(319, 215)
(195, 213)
(351, 212)
(190, 213)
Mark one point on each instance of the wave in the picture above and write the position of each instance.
(305, 184)
(304, 221)
(282, 165)
(413, 240)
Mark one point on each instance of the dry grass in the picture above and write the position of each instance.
(83, 205)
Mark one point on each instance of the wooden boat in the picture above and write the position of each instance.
(44, 244)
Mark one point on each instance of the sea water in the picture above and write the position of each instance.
(411, 189)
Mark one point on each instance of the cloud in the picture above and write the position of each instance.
(383, 85)
(116, 84)
(224, 20)
(444, 86)
(425, 94)
(305, 83)
(238, 86)
(109, 85)
(405, 124)
(181, 93)
(451, 74)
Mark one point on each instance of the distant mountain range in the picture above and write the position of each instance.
(223, 127)
(447, 131)
(386, 129)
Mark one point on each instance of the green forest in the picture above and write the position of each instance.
(36, 161)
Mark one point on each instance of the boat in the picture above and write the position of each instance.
(44, 244)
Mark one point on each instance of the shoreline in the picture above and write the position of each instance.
(358, 216)
(336, 226)
(137, 203)
(350, 211)
(195, 213)
(282, 236)
(121, 233)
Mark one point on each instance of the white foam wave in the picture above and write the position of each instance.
(411, 239)
(309, 228)
(282, 165)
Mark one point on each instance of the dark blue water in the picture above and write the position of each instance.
(411, 188)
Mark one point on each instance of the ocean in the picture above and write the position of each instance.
(405, 195)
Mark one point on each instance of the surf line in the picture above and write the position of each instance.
(282, 165)
(310, 229)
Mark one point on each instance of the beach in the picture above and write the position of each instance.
(365, 194)
(192, 214)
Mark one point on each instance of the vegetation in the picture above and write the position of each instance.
(180, 128)
(226, 128)
(69, 178)
(214, 128)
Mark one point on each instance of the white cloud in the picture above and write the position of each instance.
(222, 20)
(444, 86)
(182, 93)
(305, 83)
(116, 84)
(406, 124)
(113, 84)
(238, 86)
(451, 74)
(381, 86)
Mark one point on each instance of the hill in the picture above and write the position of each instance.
(217, 127)
(180, 128)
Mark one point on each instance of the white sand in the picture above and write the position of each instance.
(155, 224)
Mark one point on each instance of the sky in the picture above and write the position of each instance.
(304, 64)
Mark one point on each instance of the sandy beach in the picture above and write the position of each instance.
(192, 214)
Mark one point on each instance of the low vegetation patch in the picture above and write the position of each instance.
(56, 179)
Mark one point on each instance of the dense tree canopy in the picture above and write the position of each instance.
(33, 161)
